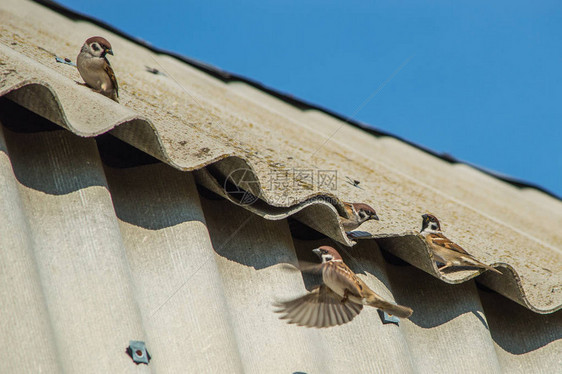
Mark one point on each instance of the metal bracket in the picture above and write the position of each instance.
(154, 71)
(354, 182)
(354, 235)
(387, 318)
(137, 351)
(66, 61)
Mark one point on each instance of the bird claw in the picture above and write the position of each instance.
(446, 266)
(345, 297)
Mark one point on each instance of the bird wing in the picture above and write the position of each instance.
(468, 259)
(112, 76)
(319, 308)
(308, 267)
(347, 277)
(442, 241)
(349, 210)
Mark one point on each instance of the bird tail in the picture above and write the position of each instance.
(482, 265)
(488, 267)
(392, 309)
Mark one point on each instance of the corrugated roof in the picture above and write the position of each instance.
(95, 255)
(228, 77)
(203, 121)
(98, 255)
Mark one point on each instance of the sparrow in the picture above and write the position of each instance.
(95, 69)
(356, 214)
(444, 250)
(338, 300)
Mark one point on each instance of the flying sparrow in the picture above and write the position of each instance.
(94, 67)
(339, 299)
(357, 213)
(444, 250)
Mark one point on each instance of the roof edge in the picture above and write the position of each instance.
(227, 76)
(212, 174)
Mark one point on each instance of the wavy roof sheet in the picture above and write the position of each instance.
(80, 240)
(94, 255)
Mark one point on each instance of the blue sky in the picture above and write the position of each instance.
(482, 82)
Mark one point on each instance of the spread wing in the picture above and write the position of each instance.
(442, 241)
(111, 75)
(310, 267)
(319, 308)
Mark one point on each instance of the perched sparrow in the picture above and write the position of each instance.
(94, 67)
(357, 213)
(444, 250)
(338, 300)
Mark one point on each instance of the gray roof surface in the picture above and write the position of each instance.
(99, 255)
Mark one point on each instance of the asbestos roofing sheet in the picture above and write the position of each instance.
(70, 250)
(190, 120)
(94, 256)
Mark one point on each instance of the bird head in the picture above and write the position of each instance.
(365, 212)
(327, 253)
(98, 46)
(430, 223)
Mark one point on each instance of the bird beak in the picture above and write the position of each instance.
(425, 221)
(110, 51)
(317, 252)
(375, 217)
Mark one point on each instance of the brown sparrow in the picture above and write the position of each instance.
(357, 213)
(444, 250)
(94, 67)
(338, 300)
